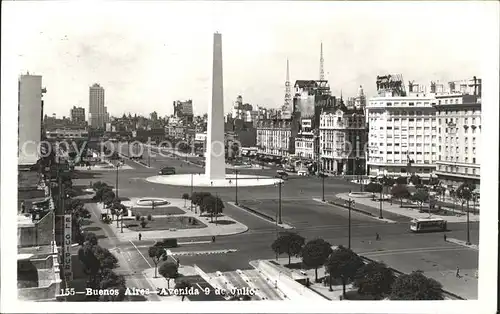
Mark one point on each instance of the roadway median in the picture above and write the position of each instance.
(341, 203)
(261, 215)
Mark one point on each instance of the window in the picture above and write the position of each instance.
(396, 144)
(411, 120)
(473, 160)
(389, 153)
(473, 171)
(473, 120)
(411, 104)
(389, 128)
(466, 159)
(389, 144)
(466, 120)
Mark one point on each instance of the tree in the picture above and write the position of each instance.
(401, 180)
(185, 197)
(290, 243)
(400, 192)
(315, 253)
(110, 280)
(197, 197)
(373, 187)
(415, 179)
(416, 286)
(420, 196)
(388, 182)
(343, 263)
(156, 253)
(169, 270)
(183, 286)
(212, 205)
(374, 279)
(464, 193)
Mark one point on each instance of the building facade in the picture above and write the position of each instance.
(184, 110)
(305, 143)
(276, 137)
(97, 110)
(30, 106)
(459, 135)
(77, 114)
(342, 140)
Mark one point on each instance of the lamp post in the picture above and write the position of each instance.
(121, 221)
(467, 193)
(349, 203)
(191, 204)
(380, 200)
(279, 204)
(236, 195)
(323, 186)
(116, 185)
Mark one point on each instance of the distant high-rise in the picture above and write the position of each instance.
(30, 118)
(77, 114)
(97, 111)
(184, 110)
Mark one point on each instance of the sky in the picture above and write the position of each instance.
(148, 54)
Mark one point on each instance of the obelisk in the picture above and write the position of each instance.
(215, 165)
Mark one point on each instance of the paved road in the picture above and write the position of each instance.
(399, 247)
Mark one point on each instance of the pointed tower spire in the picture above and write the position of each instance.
(287, 106)
(321, 65)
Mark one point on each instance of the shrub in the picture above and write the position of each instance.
(137, 217)
(150, 217)
(144, 223)
(143, 219)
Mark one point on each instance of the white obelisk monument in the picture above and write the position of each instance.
(215, 164)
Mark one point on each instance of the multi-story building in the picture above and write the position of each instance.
(459, 133)
(305, 147)
(342, 139)
(30, 106)
(97, 111)
(184, 110)
(77, 114)
(276, 138)
(402, 130)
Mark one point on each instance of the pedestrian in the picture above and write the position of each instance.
(444, 236)
(213, 238)
(458, 272)
(211, 183)
(230, 181)
(140, 237)
(377, 236)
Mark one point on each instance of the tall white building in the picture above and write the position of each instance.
(459, 131)
(402, 133)
(304, 141)
(30, 108)
(97, 110)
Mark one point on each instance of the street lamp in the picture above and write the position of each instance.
(349, 203)
(380, 200)
(467, 193)
(279, 204)
(191, 205)
(236, 196)
(116, 185)
(356, 169)
(323, 186)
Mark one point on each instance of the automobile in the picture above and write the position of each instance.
(167, 171)
(281, 175)
(302, 173)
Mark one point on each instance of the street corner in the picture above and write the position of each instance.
(463, 243)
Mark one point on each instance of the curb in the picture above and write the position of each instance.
(261, 215)
(356, 210)
(463, 243)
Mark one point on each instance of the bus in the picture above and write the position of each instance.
(428, 224)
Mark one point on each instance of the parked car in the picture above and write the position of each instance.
(167, 171)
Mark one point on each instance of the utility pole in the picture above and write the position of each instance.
(468, 194)
(216, 207)
(349, 203)
(236, 196)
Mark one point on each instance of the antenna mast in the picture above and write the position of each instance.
(321, 65)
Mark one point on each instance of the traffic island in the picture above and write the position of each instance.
(176, 226)
(340, 203)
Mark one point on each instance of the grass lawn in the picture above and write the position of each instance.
(171, 210)
(179, 222)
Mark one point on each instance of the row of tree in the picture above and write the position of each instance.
(373, 279)
(207, 202)
(98, 264)
(104, 193)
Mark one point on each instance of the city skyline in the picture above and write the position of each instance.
(143, 71)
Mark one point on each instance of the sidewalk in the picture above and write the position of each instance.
(261, 215)
(408, 212)
(210, 230)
